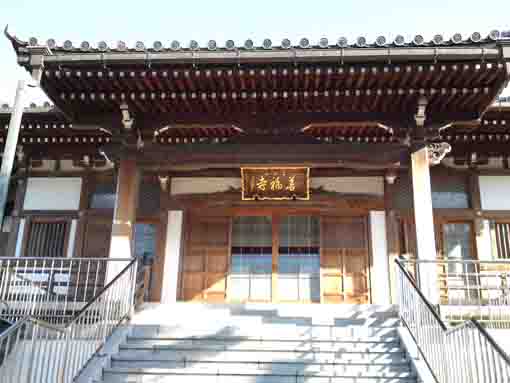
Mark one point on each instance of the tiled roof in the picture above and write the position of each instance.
(266, 44)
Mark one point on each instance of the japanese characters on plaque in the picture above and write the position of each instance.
(275, 183)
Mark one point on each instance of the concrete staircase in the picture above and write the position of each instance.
(263, 343)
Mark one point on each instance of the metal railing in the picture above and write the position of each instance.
(52, 289)
(35, 351)
(464, 354)
(470, 289)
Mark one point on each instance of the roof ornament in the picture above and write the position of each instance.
(267, 44)
(399, 40)
(361, 42)
(85, 46)
(475, 37)
(127, 120)
(436, 55)
(342, 42)
(20, 154)
(380, 41)
(456, 38)
(157, 46)
(286, 44)
(139, 141)
(418, 40)
(494, 35)
(324, 43)
(193, 45)
(437, 39)
(304, 43)
(102, 46)
(211, 45)
(163, 182)
(176, 45)
(51, 43)
(32, 41)
(140, 46)
(16, 43)
(248, 44)
(437, 151)
(230, 45)
(68, 45)
(121, 45)
(148, 60)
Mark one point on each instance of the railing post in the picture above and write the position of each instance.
(35, 331)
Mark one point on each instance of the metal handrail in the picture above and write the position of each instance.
(53, 289)
(25, 347)
(463, 354)
(469, 288)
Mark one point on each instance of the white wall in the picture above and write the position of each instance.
(45, 193)
(198, 185)
(494, 192)
(380, 276)
(172, 256)
(350, 185)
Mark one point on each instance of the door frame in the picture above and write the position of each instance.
(276, 214)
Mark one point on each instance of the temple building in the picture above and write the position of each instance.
(271, 173)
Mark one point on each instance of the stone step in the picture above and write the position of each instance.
(149, 353)
(265, 331)
(249, 379)
(266, 313)
(331, 346)
(274, 338)
(275, 367)
(245, 375)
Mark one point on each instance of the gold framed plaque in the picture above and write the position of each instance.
(275, 183)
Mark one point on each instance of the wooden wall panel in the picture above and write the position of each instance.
(207, 259)
(96, 243)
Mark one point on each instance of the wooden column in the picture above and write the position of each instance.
(482, 226)
(159, 261)
(275, 246)
(16, 218)
(424, 218)
(124, 216)
(82, 214)
(392, 239)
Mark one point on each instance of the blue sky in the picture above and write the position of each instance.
(113, 20)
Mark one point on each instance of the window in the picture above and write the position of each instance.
(500, 239)
(47, 239)
(145, 240)
(148, 199)
(251, 258)
(104, 196)
(299, 259)
(449, 191)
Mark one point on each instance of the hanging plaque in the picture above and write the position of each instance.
(275, 183)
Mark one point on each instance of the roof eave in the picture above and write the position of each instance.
(348, 55)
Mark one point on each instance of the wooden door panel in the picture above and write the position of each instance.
(193, 262)
(206, 260)
(192, 286)
(344, 260)
(218, 263)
